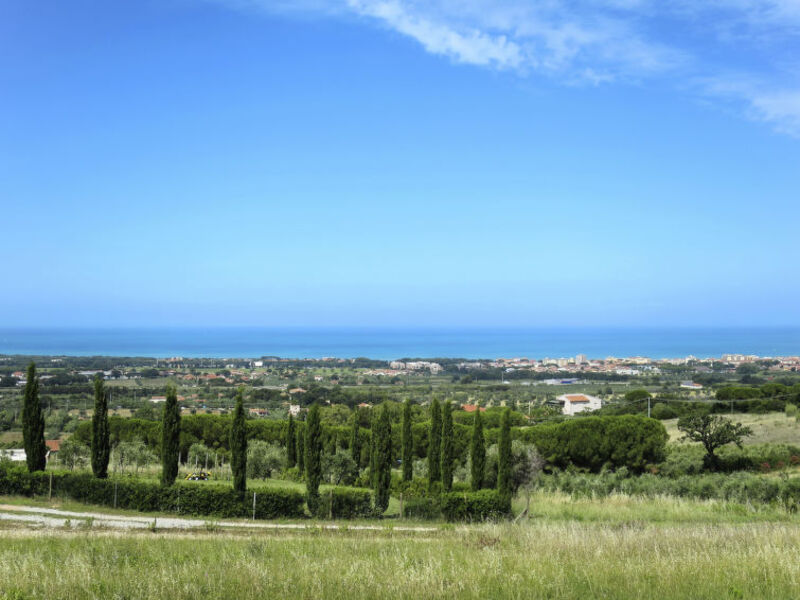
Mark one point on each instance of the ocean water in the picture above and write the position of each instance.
(385, 343)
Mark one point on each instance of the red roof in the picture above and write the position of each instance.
(577, 398)
(53, 445)
(472, 408)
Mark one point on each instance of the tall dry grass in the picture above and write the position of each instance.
(540, 559)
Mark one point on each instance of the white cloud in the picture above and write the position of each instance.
(597, 42)
(779, 107)
(469, 45)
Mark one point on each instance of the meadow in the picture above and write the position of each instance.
(768, 428)
(618, 547)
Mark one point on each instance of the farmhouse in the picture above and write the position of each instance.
(575, 403)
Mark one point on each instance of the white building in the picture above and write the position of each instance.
(15, 454)
(690, 385)
(575, 403)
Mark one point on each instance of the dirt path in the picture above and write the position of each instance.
(52, 517)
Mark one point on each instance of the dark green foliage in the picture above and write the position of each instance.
(435, 444)
(477, 453)
(382, 479)
(33, 423)
(170, 437)
(238, 445)
(355, 439)
(348, 503)
(474, 506)
(101, 442)
(504, 458)
(588, 442)
(491, 418)
(448, 447)
(713, 432)
(422, 508)
(591, 443)
(291, 448)
(407, 443)
(186, 498)
(313, 458)
(637, 396)
(300, 449)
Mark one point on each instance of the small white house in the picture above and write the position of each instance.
(15, 454)
(690, 385)
(575, 403)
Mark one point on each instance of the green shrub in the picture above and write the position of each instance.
(422, 508)
(474, 506)
(184, 498)
(348, 503)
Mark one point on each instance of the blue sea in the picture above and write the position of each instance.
(386, 343)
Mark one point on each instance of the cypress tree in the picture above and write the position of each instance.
(504, 457)
(477, 452)
(448, 450)
(101, 444)
(373, 454)
(300, 447)
(383, 461)
(313, 448)
(238, 445)
(291, 450)
(33, 423)
(355, 439)
(408, 443)
(170, 437)
(434, 444)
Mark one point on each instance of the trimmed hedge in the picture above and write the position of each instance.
(422, 508)
(348, 503)
(474, 506)
(182, 498)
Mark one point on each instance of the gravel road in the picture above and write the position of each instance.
(52, 517)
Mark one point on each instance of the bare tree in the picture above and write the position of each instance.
(528, 471)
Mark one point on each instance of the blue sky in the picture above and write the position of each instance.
(255, 162)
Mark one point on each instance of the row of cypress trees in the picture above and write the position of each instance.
(36, 449)
(441, 449)
(306, 453)
(33, 426)
(504, 458)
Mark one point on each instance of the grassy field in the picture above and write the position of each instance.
(540, 559)
(773, 428)
(617, 547)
